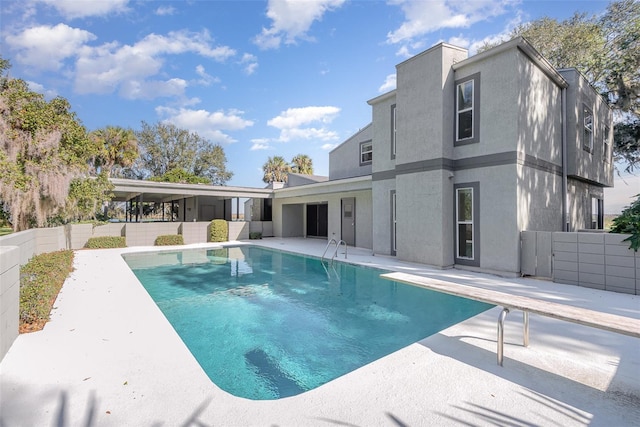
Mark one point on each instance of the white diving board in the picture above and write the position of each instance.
(582, 316)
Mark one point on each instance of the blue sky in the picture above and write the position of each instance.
(262, 78)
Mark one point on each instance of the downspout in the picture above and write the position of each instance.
(564, 159)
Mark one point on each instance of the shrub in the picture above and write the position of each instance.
(40, 281)
(105, 242)
(219, 230)
(254, 235)
(628, 222)
(169, 240)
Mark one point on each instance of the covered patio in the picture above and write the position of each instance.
(183, 202)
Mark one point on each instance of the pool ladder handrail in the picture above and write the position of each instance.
(335, 252)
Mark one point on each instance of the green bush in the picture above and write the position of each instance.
(169, 240)
(628, 222)
(40, 281)
(254, 235)
(105, 242)
(219, 231)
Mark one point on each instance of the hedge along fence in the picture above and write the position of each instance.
(104, 242)
(169, 240)
(219, 231)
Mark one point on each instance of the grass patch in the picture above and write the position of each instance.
(40, 281)
(5, 230)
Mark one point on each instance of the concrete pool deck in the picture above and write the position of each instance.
(108, 357)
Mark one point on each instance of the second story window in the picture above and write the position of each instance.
(587, 129)
(366, 153)
(467, 110)
(464, 110)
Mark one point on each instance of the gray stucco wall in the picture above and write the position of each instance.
(344, 160)
(293, 223)
(581, 163)
(381, 199)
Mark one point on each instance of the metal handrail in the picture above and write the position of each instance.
(338, 246)
(327, 248)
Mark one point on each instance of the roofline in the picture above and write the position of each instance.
(349, 184)
(382, 97)
(525, 47)
(171, 188)
(351, 137)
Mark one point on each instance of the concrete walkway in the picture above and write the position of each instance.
(108, 357)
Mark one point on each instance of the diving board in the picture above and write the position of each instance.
(582, 316)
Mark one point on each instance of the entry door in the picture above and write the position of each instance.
(349, 221)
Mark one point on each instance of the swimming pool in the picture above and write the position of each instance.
(267, 324)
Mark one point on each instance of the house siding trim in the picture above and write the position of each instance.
(489, 160)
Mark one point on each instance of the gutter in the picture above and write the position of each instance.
(564, 160)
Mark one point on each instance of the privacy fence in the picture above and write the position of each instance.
(594, 260)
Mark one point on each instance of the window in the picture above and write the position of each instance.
(597, 213)
(467, 112)
(464, 222)
(366, 153)
(587, 130)
(394, 223)
(605, 145)
(393, 131)
(464, 107)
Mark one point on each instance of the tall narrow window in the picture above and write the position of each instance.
(587, 129)
(464, 109)
(597, 213)
(393, 131)
(605, 145)
(394, 223)
(464, 221)
(366, 153)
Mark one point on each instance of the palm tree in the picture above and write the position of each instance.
(302, 164)
(276, 169)
(116, 147)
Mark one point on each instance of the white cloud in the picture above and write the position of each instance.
(389, 83)
(329, 147)
(207, 124)
(45, 47)
(165, 10)
(291, 20)
(295, 117)
(292, 121)
(424, 17)
(250, 62)
(104, 68)
(37, 87)
(459, 41)
(260, 144)
(205, 78)
(83, 8)
(151, 89)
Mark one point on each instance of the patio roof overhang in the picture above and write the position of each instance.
(128, 189)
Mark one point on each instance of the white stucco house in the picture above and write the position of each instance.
(461, 157)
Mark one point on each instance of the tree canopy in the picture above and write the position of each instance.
(115, 148)
(606, 50)
(165, 147)
(43, 147)
(303, 164)
(276, 169)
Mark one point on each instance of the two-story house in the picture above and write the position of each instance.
(461, 157)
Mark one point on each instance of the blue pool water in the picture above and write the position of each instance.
(267, 324)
